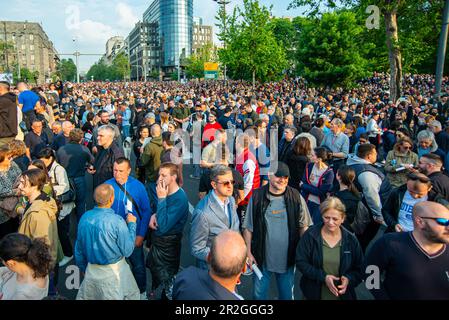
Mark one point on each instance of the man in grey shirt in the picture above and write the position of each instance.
(276, 217)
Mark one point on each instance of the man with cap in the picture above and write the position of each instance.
(276, 217)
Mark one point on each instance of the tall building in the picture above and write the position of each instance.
(138, 50)
(32, 49)
(113, 47)
(202, 34)
(172, 32)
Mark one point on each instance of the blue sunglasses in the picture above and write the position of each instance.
(440, 221)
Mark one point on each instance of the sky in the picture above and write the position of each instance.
(86, 25)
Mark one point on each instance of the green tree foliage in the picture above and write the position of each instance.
(285, 34)
(66, 70)
(118, 70)
(251, 50)
(329, 51)
(195, 63)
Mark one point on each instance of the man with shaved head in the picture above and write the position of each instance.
(104, 241)
(227, 258)
(416, 264)
(63, 138)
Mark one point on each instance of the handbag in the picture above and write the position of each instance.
(68, 196)
(8, 206)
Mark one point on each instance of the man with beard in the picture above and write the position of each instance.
(104, 120)
(416, 264)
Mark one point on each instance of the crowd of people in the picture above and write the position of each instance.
(322, 181)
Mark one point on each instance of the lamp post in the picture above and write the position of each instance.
(136, 65)
(442, 51)
(18, 53)
(223, 3)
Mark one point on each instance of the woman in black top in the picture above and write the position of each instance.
(297, 159)
(144, 133)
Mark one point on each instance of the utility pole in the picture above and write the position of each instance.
(442, 51)
(77, 54)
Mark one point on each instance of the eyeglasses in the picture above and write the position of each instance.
(225, 183)
(406, 147)
(441, 221)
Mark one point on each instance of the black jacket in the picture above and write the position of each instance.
(196, 284)
(309, 260)
(260, 203)
(297, 165)
(351, 202)
(104, 163)
(8, 115)
(391, 207)
(440, 183)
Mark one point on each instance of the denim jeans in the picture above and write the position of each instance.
(315, 213)
(125, 132)
(80, 201)
(151, 189)
(285, 284)
(196, 171)
(137, 264)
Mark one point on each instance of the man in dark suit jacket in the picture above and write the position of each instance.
(227, 259)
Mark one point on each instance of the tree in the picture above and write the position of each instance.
(120, 67)
(392, 11)
(329, 52)
(66, 70)
(285, 34)
(251, 48)
(195, 63)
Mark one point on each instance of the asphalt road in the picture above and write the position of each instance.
(68, 279)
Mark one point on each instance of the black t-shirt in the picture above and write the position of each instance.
(410, 273)
(205, 181)
(36, 143)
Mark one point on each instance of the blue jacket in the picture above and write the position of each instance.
(324, 185)
(103, 238)
(140, 196)
(172, 214)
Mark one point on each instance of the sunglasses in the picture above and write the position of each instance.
(441, 221)
(225, 183)
(406, 147)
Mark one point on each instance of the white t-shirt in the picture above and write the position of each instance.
(405, 218)
(12, 290)
(314, 180)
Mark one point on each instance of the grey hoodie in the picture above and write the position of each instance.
(370, 183)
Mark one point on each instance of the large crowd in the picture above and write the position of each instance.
(344, 186)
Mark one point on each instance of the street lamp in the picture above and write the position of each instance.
(223, 3)
(77, 55)
(18, 53)
(136, 65)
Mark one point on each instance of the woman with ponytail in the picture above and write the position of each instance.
(357, 216)
(28, 263)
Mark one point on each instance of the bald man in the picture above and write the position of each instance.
(63, 137)
(416, 264)
(104, 241)
(227, 259)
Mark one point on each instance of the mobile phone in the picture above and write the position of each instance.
(337, 283)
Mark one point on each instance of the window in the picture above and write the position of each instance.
(31, 37)
(32, 47)
(32, 57)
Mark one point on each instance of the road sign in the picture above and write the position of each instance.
(211, 75)
(210, 66)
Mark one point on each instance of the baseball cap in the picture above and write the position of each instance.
(282, 170)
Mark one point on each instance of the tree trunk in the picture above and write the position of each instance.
(394, 55)
(254, 79)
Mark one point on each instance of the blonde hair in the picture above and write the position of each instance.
(333, 203)
(17, 147)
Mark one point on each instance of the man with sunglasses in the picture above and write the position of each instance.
(215, 213)
(431, 165)
(416, 264)
(398, 208)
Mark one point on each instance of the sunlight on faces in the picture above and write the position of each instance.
(224, 185)
(425, 143)
(417, 190)
(164, 175)
(333, 219)
(278, 183)
(121, 172)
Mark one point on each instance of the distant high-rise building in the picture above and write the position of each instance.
(202, 34)
(171, 32)
(32, 49)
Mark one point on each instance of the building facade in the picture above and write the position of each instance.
(31, 49)
(138, 50)
(172, 32)
(113, 47)
(202, 34)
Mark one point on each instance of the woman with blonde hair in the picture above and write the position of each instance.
(330, 257)
(18, 154)
(164, 121)
(400, 162)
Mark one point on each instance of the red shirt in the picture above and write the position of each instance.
(209, 133)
